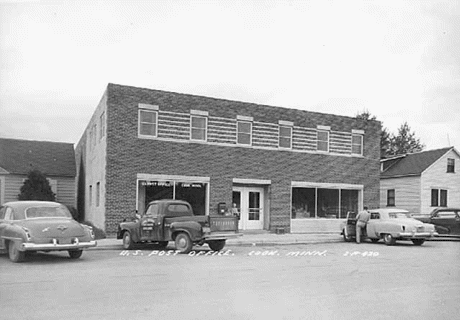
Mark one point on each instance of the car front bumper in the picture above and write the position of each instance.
(29, 246)
(221, 236)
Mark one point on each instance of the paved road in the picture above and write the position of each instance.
(318, 281)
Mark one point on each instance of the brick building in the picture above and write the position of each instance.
(282, 168)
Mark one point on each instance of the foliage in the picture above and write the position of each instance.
(98, 233)
(392, 145)
(36, 187)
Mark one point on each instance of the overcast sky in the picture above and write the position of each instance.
(400, 60)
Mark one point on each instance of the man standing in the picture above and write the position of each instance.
(361, 221)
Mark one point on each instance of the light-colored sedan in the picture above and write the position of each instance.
(41, 226)
(391, 224)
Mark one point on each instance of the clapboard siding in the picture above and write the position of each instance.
(407, 193)
(437, 177)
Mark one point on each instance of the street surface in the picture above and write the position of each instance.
(316, 281)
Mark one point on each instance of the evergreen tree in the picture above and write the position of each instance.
(36, 187)
(405, 142)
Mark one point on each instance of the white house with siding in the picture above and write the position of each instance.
(421, 182)
(56, 160)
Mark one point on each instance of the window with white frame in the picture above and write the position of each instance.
(451, 165)
(323, 140)
(357, 144)
(244, 129)
(198, 127)
(438, 198)
(391, 198)
(148, 122)
(285, 136)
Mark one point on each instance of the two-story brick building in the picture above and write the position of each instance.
(283, 168)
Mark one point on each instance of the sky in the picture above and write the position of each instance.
(398, 60)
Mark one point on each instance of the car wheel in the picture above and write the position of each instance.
(418, 242)
(128, 243)
(75, 254)
(216, 245)
(389, 240)
(183, 243)
(162, 244)
(346, 237)
(14, 253)
(375, 240)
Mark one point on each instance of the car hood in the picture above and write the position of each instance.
(53, 227)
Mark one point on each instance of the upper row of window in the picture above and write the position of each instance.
(148, 126)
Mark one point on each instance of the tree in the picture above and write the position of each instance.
(405, 142)
(392, 145)
(36, 187)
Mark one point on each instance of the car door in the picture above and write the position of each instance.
(150, 224)
(445, 221)
(372, 224)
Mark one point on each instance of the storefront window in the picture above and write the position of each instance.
(323, 203)
(192, 192)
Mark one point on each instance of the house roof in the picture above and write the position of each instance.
(411, 164)
(51, 158)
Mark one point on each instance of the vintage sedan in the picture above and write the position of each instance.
(41, 226)
(391, 224)
(445, 220)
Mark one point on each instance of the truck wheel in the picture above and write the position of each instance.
(346, 237)
(14, 253)
(75, 254)
(216, 245)
(128, 243)
(418, 242)
(389, 240)
(183, 243)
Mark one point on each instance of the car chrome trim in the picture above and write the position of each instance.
(221, 236)
(418, 234)
(55, 246)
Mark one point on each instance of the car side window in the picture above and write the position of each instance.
(375, 215)
(2, 213)
(446, 214)
(152, 211)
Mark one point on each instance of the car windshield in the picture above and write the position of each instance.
(47, 212)
(399, 215)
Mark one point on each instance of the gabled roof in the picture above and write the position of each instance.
(411, 164)
(51, 158)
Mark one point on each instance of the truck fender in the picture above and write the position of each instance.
(123, 229)
(192, 228)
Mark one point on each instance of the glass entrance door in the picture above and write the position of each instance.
(249, 201)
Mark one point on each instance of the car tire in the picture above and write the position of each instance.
(75, 254)
(389, 240)
(346, 237)
(418, 242)
(161, 244)
(128, 243)
(14, 253)
(375, 240)
(183, 243)
(216, 245)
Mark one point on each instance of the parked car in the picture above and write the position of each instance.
(390, 224)
(41, 226)
(173, 220)
(446, 221)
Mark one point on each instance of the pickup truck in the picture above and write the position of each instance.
(173, 220)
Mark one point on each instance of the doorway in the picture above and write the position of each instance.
(250, 202)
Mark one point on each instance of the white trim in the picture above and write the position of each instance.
(244, 118)
(326, 128)
(205, 129)
(148, 106)
(199, 113)
(286, 123)
(2, 189)
(149, 176)
(349, 186)
(252, 181)
(356, 131)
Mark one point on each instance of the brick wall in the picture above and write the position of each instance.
(127, 155)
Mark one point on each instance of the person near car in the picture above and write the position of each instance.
(235, 211)
(361, 221)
